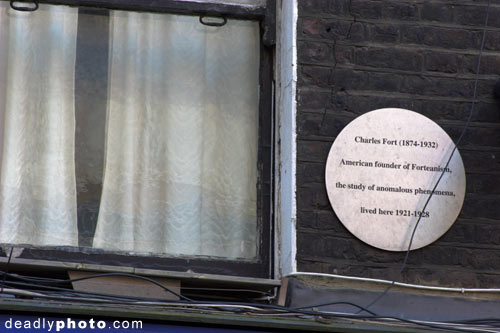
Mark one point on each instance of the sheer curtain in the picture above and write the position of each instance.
(181, 153)
(37, 182)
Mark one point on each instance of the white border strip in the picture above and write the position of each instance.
(287, 109)
(399, 284)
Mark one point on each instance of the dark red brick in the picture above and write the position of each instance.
(430, 11)
(315, 52)
(389, 58)
(324, 28)
(311, 7)
(346, 79)
(387, 33)
(344, 54)
(487, 234)
(315, 76)
(384, 81)
(309, 124)
(441, 62)
(476, 16)
(366, 9)
(310, 173)
(313, 99)
(481, 206)
(313, 151)
(484, 183)
(400, 11)
(312, 197)
(441, 37)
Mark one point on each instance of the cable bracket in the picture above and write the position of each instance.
(211, 21)
(32, 8)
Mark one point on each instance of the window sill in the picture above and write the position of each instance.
(29, 266)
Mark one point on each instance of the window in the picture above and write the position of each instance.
(136, 138)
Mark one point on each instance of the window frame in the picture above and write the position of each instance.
(263, 267)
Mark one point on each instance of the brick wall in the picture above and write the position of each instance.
(360, 55)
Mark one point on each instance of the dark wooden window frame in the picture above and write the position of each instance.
(263, 266)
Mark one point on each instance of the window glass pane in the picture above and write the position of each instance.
(129, 131)
(181, 152)
(37, 182)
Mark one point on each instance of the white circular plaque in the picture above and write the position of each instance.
(381, 170)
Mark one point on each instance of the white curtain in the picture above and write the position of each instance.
(181, 153)
(37, 178)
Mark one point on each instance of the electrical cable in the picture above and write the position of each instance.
(246, 308)
(336, 303)
(313, 314)
(7, 268)
(40, 283)
(223, 306)
(242, 307)
(98, 275)
(263, 293)
(129, 299)
(483, 321)
(76, 292)
(466, 126)
(93, 276)
(399, 284)
(161, 285)
(254, 307)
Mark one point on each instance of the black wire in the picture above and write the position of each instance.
(93, 276)
(374, 316)
(61, 281)
(37, 294)
(227, 307)
(336, 303)
(469, 119)
(93, 294)
(479, 320)
(224, 306)
(7, 268)
(355, 316)
(262, 293)
(184, 300)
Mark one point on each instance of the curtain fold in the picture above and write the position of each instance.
(37, 178)
(182, 134)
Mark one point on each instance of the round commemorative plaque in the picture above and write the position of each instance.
(381, 170)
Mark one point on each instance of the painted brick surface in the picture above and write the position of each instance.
(355, 56)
